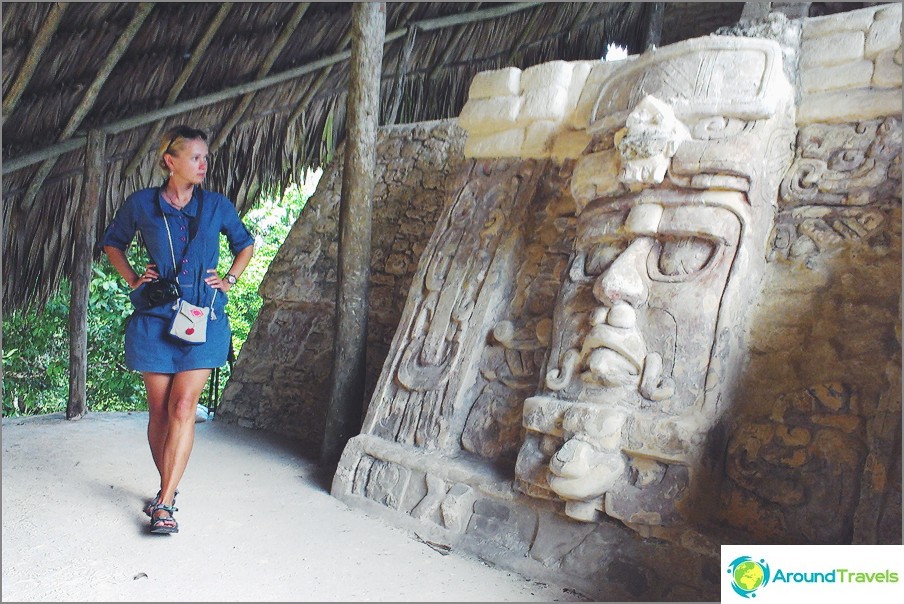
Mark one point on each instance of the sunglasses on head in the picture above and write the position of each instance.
(187, 133)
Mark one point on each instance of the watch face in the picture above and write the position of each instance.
(231, 279)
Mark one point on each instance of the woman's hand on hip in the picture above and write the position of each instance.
(150, 273)
(214, 281)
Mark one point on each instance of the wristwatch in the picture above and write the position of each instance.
(230, 279)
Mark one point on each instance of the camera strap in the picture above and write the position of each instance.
(169, 237)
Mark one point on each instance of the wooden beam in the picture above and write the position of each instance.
(262, 71)
(75, 120)
(27, 69)
(401, 71)
(177, 87)
(528, 32)
(84, 236)
(347, 404)
(17, 163)
(315, 87)
(451, 46)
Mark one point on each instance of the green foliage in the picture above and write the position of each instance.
(36, 341)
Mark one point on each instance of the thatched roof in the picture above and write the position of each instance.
(267, 80)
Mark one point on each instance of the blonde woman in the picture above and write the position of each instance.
(180, 224)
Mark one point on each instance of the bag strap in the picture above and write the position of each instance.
(169, 237)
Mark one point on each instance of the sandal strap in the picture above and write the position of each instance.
(166, 508)
(164, 520)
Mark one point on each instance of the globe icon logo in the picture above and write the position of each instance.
(748, 575)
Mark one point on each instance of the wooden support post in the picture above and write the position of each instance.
(346, 407)
(85, 231)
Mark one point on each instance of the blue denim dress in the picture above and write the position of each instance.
(195, 232)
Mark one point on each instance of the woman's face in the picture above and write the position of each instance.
(189, 163)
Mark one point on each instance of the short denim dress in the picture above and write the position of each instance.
(195, 233)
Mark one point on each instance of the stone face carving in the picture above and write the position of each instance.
(668, 253)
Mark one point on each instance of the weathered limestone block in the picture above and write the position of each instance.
(848, 106)
(537, 137)
(834, 77)
(884, 34)
(500, 144)
(887, 70)
(832, 49)
(497, 83)
(553, 74)
(859, 20)
(546, 104)
(489, 116)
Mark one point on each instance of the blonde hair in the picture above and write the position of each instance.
(173, 140)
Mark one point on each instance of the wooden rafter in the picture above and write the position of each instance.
(90, 97)
(41, 41)
(318, 83)
(180, 82)
(402, 67)
(527, 33)
(451, 47)
(262, 71)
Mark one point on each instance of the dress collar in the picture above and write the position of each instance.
(190, 209)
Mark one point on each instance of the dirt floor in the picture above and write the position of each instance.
(256, 524)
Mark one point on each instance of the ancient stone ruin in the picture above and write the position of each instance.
(633, 310)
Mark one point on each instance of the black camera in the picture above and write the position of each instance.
(160, 291)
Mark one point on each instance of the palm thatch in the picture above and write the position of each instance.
(266, 80)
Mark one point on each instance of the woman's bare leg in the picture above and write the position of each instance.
(158, 387)
(184, 394)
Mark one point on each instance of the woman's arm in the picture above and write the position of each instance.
(239, 263)
(121, 264)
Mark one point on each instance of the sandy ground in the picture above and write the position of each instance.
(256, 520)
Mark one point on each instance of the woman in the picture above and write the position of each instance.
(180, 223)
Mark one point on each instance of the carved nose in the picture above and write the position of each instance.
(625, 280)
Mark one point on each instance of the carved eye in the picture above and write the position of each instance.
(680, 259)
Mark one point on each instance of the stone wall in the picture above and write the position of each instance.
(281, 380)
(661, 312)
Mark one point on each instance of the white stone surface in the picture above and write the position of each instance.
(546, 75)
(599, 73)
(848, 21)
(848, 106)
(499, 144)
(884, 34)
(487, 116)
(543, 104)
(837, 77)
(498, 82)
(537, 138)
(887, 70)
(832, 49)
